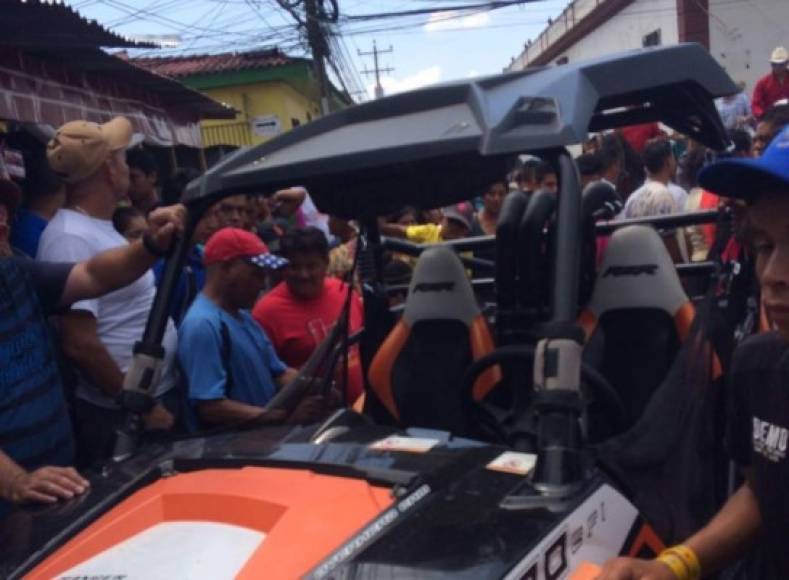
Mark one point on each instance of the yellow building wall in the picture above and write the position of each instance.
(256, 100)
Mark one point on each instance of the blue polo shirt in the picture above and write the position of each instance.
(252, 360)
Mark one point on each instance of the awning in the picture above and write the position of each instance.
(56, 72)
(96, 86)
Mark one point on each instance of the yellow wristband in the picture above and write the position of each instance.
(682, 561)
(675, 564)
(690, 558)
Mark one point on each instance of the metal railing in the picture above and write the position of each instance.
(235, 133)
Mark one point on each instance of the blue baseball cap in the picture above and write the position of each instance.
(746, 178)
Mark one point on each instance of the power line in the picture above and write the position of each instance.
(159, 18)
(316, 37)
(259, 12)
(487, 6)
(336, 67)
(221, 6)
(134, 16)
(341, 62)
(230, 16)
(357, 79)
(231, 19)
(224, 25)
(409, 25)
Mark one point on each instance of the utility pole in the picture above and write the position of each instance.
(379, 90)
(319, 48)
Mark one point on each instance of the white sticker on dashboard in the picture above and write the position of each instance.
(512, 462)
(406, 444)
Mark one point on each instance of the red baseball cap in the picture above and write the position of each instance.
(231, 243)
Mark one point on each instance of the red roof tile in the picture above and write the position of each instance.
(184, 66)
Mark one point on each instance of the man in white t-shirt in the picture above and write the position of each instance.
(679, 194)
(654, 199)
(661, 165)
(98, 335)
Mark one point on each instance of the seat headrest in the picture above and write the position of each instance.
(439, 289)
(600, 200)
(637, 272)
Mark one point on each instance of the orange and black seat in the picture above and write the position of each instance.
(416, 374)
(638, 316)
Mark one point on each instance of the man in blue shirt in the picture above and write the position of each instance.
(44, 195)
(230, 364)
(36, 443)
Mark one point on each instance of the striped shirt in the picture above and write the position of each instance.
(35, 429)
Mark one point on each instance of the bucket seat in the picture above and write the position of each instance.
(417, 372)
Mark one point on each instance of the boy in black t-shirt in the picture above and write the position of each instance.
(759, 416)
(759, 433)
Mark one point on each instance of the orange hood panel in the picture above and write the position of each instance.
(304, 516)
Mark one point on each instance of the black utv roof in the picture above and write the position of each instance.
(446, 143)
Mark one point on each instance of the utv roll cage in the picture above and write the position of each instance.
(444, 144)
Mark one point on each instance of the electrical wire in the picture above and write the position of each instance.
(226, 23)
(134, 17)
(351, 80)
(219, 7)
(259, 12)
(197, 35)
(486, 6)
(158, 18)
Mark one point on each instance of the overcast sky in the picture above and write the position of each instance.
(427, 49)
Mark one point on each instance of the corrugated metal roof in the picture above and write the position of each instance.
(185, 66)
(50, 23)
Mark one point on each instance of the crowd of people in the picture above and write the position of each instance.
(81, 246)
(69, 341)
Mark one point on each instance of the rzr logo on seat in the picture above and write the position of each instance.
(635, 270)
(434, 287)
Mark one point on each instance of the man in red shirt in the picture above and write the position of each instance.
(773, 87)
(300, 311)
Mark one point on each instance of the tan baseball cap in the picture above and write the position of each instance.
(779, 55)
(80, 147)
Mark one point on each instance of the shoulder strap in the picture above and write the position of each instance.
(225, 352)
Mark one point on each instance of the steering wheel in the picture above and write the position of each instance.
(501, 423)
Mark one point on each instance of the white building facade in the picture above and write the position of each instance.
(740, 34)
